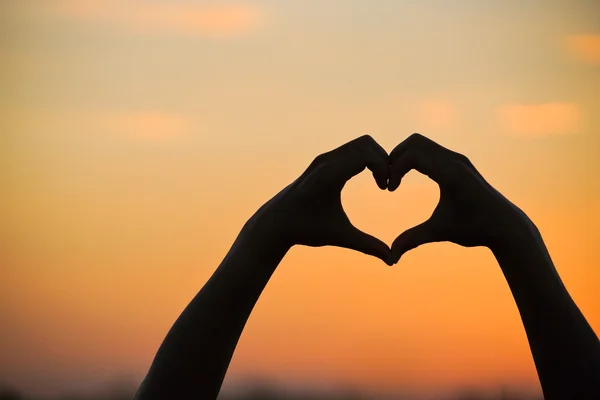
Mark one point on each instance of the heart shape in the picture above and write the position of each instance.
(409, 206)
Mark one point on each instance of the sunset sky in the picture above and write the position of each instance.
(137, 137)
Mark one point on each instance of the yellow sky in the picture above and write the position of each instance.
(138, 136)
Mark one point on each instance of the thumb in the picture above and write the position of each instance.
(358, 240)
(411, 239)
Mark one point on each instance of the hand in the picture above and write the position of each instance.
(309, 211)
(470, 211)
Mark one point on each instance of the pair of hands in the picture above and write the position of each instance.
(470, 211)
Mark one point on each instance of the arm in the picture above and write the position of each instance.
(565, 349)
(472, 213)
(192, 361)
(194, 356)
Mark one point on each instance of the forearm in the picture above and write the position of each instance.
(565, 349)
(193, 359)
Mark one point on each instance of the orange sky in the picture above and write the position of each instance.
(138, 137)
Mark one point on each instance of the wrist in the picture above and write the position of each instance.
(252, 259)
(526, 263)
(517, 234)
(263, 233)
(520, 245)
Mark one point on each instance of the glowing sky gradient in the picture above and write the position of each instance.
(138, 136)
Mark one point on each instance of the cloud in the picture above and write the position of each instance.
(188, 19)
(537, 120)
(586, 48)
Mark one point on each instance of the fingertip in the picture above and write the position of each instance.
(389, 259)
(396, 252)
(367, 244)
(393, 185)
(381, 180)
(398, 258)
(384, 257)
(384, 253)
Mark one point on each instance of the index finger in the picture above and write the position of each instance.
(415, 140)
(352, 158)
(419, 153)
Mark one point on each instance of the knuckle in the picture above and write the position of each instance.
(319, 159)
(462, 158)
(365, 139)
(416, 137)
(423, 142)
(316, 163)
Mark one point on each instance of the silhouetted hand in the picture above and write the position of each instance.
(470, 211)
(309, 211)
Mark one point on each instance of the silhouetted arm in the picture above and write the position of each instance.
(565, 349)
(193, 359)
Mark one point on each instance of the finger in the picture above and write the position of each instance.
(380, 180)
(420, 141)
(328, 156)
(358, 240)
(368, 153)
(441, 158)
(417, 159)
(378, 164)
(352, 158)
(411, 239)
(407, 143)
(410, 142)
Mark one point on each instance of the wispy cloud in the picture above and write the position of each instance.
(165, 17)
(585, 48)
(536, 120)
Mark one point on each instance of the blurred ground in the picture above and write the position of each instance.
(261, 393)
